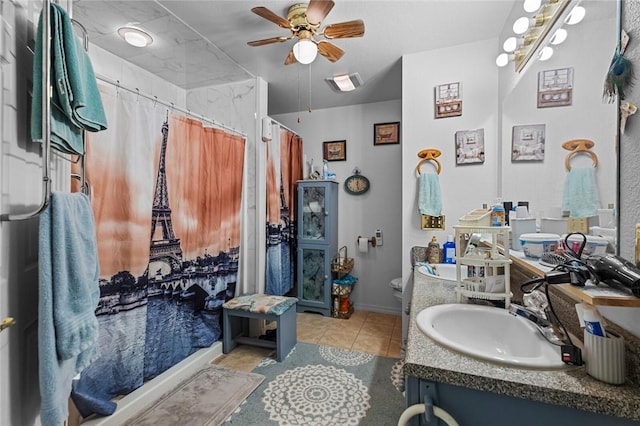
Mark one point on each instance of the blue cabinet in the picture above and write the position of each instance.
(317, 244)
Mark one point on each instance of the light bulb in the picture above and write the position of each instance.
(531, 5)
(305, 51)
(576, 15)
(502, 59)
(559, 36)
(545, 53)
(521, 25)
(510, 44)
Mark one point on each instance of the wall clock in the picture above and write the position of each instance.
(356, 184)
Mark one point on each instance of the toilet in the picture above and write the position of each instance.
(396, 285)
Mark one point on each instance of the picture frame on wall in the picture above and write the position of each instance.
(386, 133)
(335, 150)
(555, 88)
(528, 142)
(448, 100)
(469, 147)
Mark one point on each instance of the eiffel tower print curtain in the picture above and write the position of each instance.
(166, 195)
(284, 169)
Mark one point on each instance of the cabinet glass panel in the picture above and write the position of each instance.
(313, 213)
(313, 274)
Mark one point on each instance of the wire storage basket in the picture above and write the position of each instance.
(341, 265)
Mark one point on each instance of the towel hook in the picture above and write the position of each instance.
(577, 146)
(430, 154)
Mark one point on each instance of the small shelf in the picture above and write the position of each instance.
(467, 286)
(594, 295)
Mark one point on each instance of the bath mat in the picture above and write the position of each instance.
(323, 385)
(205, 399)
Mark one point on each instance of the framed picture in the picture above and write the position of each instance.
(386, 133)
(527, 143)
(555, 88)
(469, 146)
(335, 151)
(448, 100)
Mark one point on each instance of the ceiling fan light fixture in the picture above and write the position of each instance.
(135, 36)
(305, 51)
(345, 82)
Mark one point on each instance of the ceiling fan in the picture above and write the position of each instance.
(304, 21)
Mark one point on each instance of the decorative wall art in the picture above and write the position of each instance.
(335, 151)
(448, 100)
(527, 143)
(386, 133)
(469, 146)
(555, 87)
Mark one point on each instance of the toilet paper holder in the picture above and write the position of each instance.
(371, 240)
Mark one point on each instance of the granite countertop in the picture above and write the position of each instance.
(570, 387)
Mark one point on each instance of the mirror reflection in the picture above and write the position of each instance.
(546, 111)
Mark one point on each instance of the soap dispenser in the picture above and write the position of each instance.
(433, 251)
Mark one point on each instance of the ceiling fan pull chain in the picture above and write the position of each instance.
(298, 94)
(309, 107)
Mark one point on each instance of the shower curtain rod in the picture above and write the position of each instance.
(170, 105)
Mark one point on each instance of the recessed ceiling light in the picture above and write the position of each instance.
(135, 36)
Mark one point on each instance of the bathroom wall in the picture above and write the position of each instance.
(379, 208)
(464, 187)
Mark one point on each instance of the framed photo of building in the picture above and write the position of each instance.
(555, 88)
(527, 142)
(469, 146)
(386, 133)
(448, 100)
(335, 151)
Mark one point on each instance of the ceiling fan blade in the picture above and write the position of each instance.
(291, 59)
(330, 50)
(268, 41)
(269, 15)
(345, 29)
(318, 10)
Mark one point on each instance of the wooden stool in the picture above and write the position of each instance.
(238, 311)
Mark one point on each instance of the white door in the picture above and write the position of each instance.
(20, 190)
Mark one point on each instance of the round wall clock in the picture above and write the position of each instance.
(356, 184)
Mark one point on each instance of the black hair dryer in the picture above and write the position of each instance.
(616, 271)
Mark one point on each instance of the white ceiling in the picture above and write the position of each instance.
(201, 43)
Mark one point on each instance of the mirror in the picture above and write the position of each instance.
(533, 159)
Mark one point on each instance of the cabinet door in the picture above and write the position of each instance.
(314, 286)
(313, 226)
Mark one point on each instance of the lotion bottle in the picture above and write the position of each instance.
(449, 250)
(433, 251)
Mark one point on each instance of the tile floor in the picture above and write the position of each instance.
(370, 332)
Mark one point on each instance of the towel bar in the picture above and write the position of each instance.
(577, 146)
(429, 155)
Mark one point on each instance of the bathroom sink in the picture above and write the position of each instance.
(489, 333)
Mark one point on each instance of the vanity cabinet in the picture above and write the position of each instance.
(317, 244)
(474, 407)
(488, 268)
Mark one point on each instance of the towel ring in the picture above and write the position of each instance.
(577, 146)
(429, 155)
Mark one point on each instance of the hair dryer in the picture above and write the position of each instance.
(616, 271)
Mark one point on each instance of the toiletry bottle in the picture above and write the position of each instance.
(433, 251)
(449, 249)
(497, 214)
(325, 170)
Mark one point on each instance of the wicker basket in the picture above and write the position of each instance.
(341, 265)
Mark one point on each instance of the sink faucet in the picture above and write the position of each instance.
(546, 328)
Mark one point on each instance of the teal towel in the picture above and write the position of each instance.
(76, 104)
(69, 295)
(581, 197)
(429, 197)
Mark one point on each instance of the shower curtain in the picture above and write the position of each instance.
(166, 194)
(284, 169)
